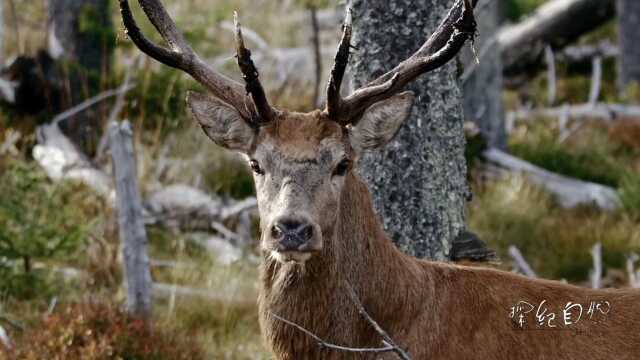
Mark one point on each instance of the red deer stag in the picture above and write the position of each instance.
(320, 233)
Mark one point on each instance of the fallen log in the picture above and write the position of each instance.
(568, 192)
(556, 23)
(164, 290)
(600, 111)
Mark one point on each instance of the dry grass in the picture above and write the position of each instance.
(556, 241)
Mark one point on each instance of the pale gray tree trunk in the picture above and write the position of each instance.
(133, 235)
(629, 18)
(419, 180)
(483, 82)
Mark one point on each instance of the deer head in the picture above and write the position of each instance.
(300, 161)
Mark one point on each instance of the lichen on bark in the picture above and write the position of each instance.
(418, 181)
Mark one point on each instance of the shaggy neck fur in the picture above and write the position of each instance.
(433, 310)
(313, 295)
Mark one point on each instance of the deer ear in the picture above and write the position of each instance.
(221, 122)
(380, 122)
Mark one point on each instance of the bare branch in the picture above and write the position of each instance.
(387, 339)
(596, 274)
(327, 345)
(521, 263)
(389, 345)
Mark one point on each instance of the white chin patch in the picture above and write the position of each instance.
(297, 257)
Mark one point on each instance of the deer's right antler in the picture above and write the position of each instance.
(444, 44)
(255, 109)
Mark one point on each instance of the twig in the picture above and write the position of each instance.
(596, 80)
(521, 263)
(596, 274)
(89, 103)
(15, 324)
(603, 111)
(327, 345)
(551, 74)
(387, 339)
(389, 345)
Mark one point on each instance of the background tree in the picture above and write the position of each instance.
(419, 181)
(483, 81)
(81, 34)
(629, 20)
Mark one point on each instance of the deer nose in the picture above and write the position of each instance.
(291, 234)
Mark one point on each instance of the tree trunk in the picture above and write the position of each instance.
(419, 181)
(482, 87)
(629, 18)
(133, 235)
(82, 36)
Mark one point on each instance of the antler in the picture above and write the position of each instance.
(180, 55)
(458, 26)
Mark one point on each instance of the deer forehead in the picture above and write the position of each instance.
(302, 138)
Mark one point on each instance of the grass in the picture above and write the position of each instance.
(513, 212)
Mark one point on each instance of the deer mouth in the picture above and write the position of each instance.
(284, 257)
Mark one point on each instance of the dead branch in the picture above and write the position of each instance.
(596, 273)
(596, 80)
(553, 23)
(389, 345)
(387, 339)
(521, 264)
(581, 53)
(551, 75)
(164, 290)
(569, 192)
(600, 111)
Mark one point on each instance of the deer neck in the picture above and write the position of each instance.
(358, 254)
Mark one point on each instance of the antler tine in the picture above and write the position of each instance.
(458, 26)
(334, 99)
(181, 56)
(251, 75)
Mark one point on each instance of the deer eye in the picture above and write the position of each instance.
(256, 167)
(342, 168)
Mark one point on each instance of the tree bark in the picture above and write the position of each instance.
(419, 181)
(629, 20)
(133, 234)
(482, 87)
(82, 37)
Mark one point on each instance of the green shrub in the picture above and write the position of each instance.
(95, 331)
(38, 221)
